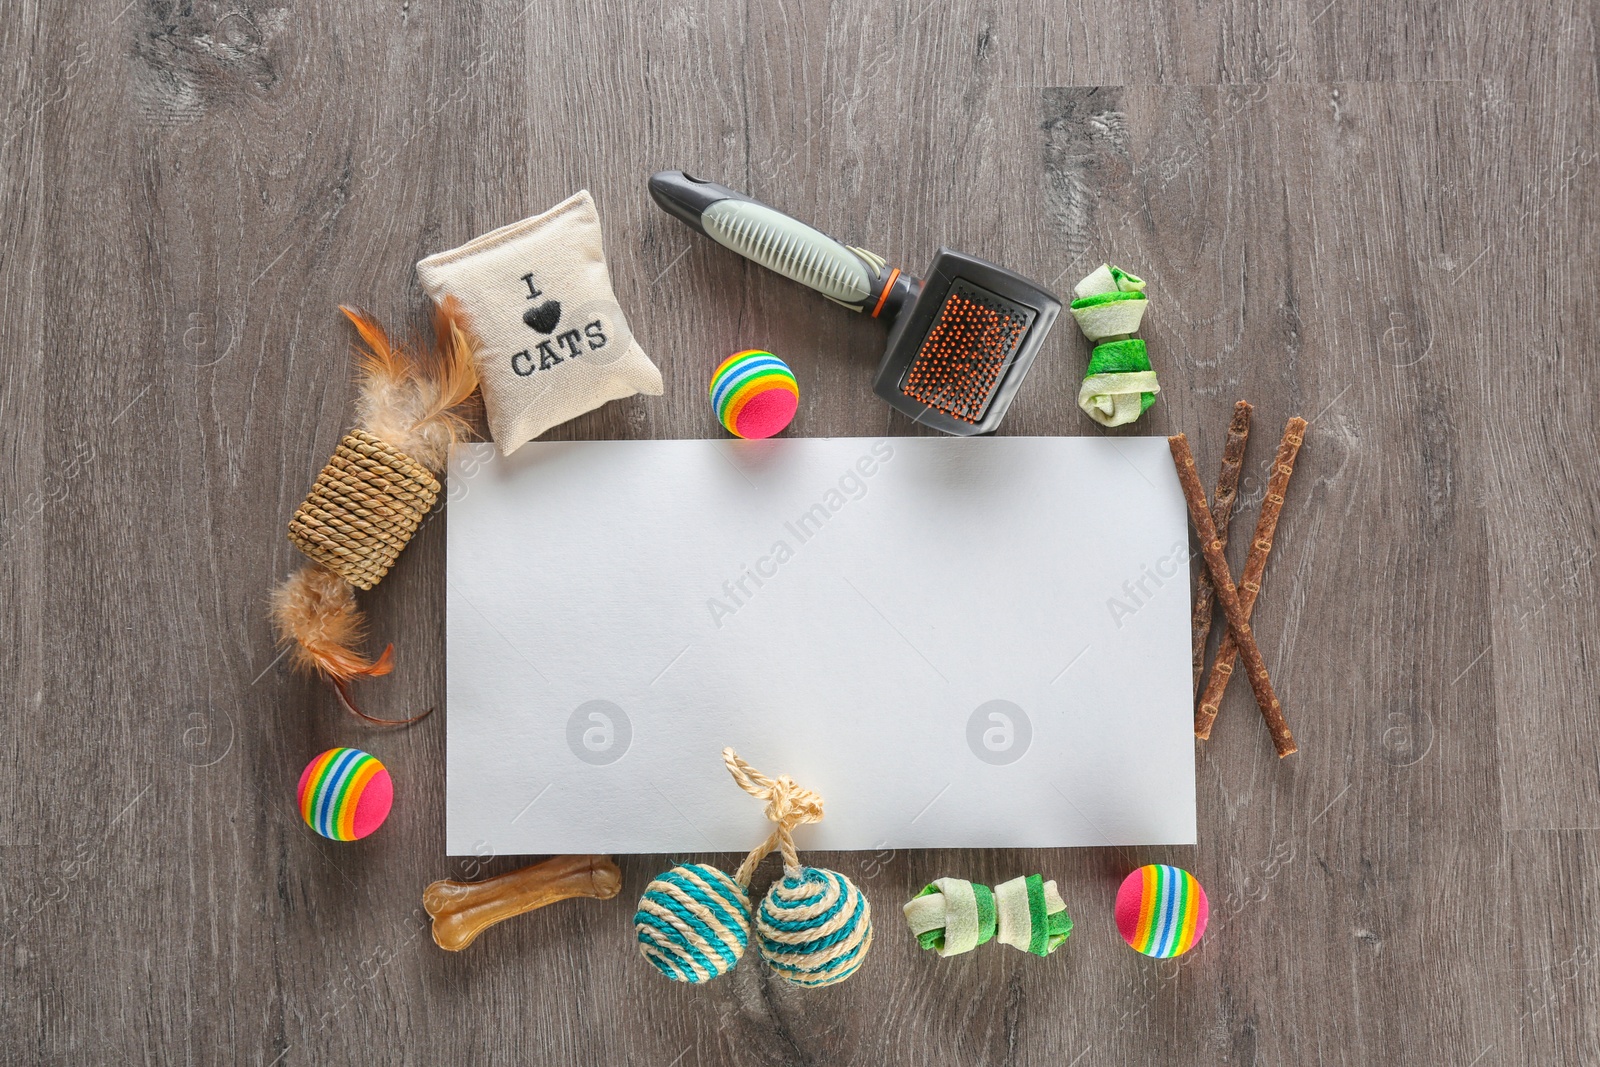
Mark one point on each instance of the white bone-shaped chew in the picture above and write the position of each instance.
(463, 910)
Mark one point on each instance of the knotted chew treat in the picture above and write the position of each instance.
(951, 915)
(814, 926)
(1118, 385)
(1110, 304)
(372, 496)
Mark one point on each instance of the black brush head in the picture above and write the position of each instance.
(958, 353)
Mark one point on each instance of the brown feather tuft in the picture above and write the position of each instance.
(446, 390)
(316, 610)
(412, 407)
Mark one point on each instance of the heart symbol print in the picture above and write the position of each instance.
(543, 317)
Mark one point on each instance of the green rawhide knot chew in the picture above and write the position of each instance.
(1110, 303)
(1119, 385)
(953, 915)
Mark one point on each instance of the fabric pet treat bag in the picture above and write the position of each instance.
(552, 342)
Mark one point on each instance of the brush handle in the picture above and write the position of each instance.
(850, 276)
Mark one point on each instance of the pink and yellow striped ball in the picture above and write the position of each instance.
(754, 394)
(1161, 910)
(345, 794)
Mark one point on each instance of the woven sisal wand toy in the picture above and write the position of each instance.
(372, 496)
(1255, 567)
(1194, 494)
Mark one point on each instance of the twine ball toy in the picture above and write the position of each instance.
(345, 794)
(693, 923)
(754, 394)
(813, 928)
(1161, 910)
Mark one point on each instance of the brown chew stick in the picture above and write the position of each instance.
(463, 910)
(1255, 567)
(1228, 595)
(1221, 512)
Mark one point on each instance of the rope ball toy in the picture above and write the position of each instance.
(951, 915)
(1161, 910)
(693, 923)
(754, 394)
(1118, 385)
(813, 928)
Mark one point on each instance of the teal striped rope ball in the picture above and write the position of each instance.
(693, 923)
(814, 927)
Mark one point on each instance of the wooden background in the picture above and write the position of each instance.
(1378, 214)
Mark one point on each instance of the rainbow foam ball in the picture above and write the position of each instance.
(1161, 910)
(815, 927)
(345, 794)
(754, 394)
(693, 923)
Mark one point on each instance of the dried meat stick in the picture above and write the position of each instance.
(1255, 568)
(1221, 513)
(1194, 494)
(1227, 593)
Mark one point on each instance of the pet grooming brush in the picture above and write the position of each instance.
(961, 339)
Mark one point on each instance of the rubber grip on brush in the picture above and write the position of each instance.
(767, 236)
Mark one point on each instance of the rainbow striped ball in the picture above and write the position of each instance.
(814, 927)
(345, 794)
(1161, 910)
(754, 394)
(693, 923)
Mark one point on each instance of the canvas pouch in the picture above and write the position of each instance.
(552, 342)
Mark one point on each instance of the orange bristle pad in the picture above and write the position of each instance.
(967, 352)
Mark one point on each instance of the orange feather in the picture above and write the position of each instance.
(380, 359)
(458, 375)
(316, 609)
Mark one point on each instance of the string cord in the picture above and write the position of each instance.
(788, 806)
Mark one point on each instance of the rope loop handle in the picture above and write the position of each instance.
(788, 805)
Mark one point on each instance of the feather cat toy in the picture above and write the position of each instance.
(372, 496)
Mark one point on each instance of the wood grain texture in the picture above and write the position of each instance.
(1378, 214)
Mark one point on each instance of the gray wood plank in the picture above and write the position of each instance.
(1378, 216)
